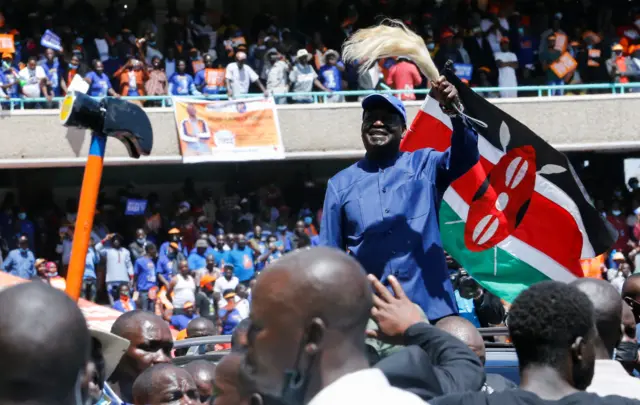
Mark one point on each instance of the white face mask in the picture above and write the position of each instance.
(616, 212)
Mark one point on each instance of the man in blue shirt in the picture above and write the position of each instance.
(21, 262)
(221, 256)
(198, 258)
(144, 276)
(242, 259)
(383, 210)
(89, 280)
(181, 321)
(55, 77)
(330, 75)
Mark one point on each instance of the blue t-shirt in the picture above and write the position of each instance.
(231, 322)
(331, 77)
(100, 84)
(181, 321)
(8, 77)
(220, 256)
(181, 84)
(145, 271)
(242, 261)
(467, 309)
(196, 261)
(90, 264)
(52, 69)
(165, 267)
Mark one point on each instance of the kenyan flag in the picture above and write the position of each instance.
(520, 215)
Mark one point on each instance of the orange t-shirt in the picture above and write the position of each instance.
(592, 268)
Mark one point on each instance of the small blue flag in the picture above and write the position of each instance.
(463, 70)
(135, 207)
(51, 40)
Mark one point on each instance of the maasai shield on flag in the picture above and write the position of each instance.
(520, 215)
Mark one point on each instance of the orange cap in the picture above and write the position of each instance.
(188, 304)
(174, 231)
(617, 47)
(7, 55)
(207, 279)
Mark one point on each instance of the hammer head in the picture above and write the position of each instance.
(124, 121)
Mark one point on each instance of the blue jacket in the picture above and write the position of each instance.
(386, 216)
(21, 264)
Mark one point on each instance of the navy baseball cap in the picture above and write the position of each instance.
(377, 98)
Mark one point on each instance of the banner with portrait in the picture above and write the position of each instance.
(230, 130)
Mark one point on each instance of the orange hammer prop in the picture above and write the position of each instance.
(107, 117)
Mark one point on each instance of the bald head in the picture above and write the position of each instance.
(631, 287)
(607, 304)
(44, 345)
(200, 327)
(318, 299)
(165, 384)
(322, 282)
(203, 373)
(466, 332)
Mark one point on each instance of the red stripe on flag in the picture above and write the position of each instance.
(426, 131)
(546, 226)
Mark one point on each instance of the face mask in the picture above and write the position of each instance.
(141, 241)
(521, 31)
(431, 46)
(72, 66)
(203, 228)
(308, 221)
(153, 43)
(22, 216)
(22, 250)
(626, 353)
(79, 41)
(616, 212)
(72, 217)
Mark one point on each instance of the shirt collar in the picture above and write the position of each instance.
(349, 385)
(382, 164)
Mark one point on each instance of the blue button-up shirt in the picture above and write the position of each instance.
(21, 264)
(386, 216)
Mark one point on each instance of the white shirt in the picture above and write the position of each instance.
(494, 37)
(610, 378)
(240, 78)
(223, 284)
(32, 77)
(368, 386)
(103, 48)
(618, 282)
(506, 74)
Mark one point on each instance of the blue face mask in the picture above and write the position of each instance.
(521, 31)
(79, 41)
(23, 250)
(431, 46)
(22, 216)
(141, 241)
(308, 221)
(203, 228)
(152, 43)
(72, 66)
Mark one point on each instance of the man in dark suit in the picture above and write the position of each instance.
(481, 55)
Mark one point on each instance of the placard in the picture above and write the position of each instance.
(463, 70)
(135, 207)
(564, 65)
(51, 40)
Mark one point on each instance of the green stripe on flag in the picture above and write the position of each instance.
(512, 275)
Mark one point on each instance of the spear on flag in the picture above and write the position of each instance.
(521, 214)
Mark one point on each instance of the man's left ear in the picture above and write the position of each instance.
(577, 348)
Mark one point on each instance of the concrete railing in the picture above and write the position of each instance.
(35, 138)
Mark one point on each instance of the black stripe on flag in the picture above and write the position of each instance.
(600, 232)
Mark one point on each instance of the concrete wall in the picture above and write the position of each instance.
(35, 138)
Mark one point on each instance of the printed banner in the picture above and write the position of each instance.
(6, 43)
(233, 130)
(51, 40)
(463, 70)
(135, 207)
(564, 65)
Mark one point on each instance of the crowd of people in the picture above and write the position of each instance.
(128, 52)
(311, 312)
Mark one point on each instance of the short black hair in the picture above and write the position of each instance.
(150, 246)
(545, 320)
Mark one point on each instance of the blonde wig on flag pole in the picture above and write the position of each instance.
(389, 39)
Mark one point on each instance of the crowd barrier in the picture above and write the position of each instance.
(320, 96)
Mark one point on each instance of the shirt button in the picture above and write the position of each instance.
(384, 189)
(386, 210)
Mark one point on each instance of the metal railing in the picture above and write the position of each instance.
(321, 96)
